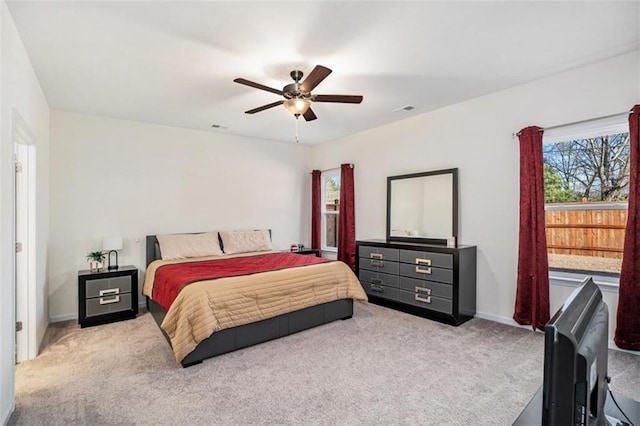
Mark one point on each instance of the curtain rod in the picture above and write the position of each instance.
(578, 122)
(333, 168)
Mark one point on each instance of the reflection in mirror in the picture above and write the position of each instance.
(422, 206)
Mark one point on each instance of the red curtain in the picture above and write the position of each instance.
(532, 295)
(627, 335)
(316, 209)
(347, 218)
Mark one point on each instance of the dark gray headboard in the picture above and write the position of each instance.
(153, 249)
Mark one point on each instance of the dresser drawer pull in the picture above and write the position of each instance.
(378, 263)
(423, 271)
(423, 261)
(104, 301)
(376, 256)
(423, 299)
(377, 289)
(376, 281)
(109, 292)
(424, 290)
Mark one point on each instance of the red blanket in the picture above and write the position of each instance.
(170, 279)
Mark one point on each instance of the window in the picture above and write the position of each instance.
(586, 178)
(330, 208)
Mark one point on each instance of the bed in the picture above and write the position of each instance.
(212, 315)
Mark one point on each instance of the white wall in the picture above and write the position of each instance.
(116, 177)
(476, 137)
(20, 92)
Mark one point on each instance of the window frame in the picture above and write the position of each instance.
(324, 177)
(587, 129)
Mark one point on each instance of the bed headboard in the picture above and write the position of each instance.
(153, 247)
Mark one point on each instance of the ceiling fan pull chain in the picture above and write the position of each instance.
(297, 139)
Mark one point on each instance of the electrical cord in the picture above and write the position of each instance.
(615, 402)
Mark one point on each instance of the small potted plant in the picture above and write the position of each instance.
(95, 259)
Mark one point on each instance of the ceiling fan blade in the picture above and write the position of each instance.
(309, 115)
(258, 86)
(318, 74)
(344, 99)
(263, 107)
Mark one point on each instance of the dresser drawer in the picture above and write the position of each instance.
(379, 253)
(429, 288)
(430, 273)
(422, 300)
(441, 260)
(108, 304)
(379, 278)
(379, 265)
(108, 286)
(381, 291)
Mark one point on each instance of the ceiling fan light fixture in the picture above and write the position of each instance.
(297, 106)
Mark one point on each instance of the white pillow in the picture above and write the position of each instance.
(181, 246)
(245, 241)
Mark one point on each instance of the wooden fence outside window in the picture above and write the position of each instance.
(586, 229)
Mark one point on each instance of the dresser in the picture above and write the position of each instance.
(433, 281)
(107, 296)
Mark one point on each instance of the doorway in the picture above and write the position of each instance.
(25, 236)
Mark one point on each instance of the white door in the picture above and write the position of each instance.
(25, 220)
(22, 264)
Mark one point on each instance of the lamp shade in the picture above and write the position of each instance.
(112, 243)
(297, 105)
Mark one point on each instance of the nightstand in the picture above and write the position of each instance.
(308, 252)
(107, 296)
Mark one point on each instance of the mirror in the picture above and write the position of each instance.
(423, 207)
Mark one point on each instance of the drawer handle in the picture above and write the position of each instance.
(377, 289)
(423, 271)
(109, 292)
(423, 299)
(377, 256)
(424, 290)
(104, 301)
(378, 263)
(423, 261)
(376, 281)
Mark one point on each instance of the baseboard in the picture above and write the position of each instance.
(60, 318)
(7, 416)
(510, 321)
(501, 320)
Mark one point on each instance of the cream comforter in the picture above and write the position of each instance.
(205, 307)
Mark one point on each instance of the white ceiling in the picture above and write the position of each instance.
(173, 63)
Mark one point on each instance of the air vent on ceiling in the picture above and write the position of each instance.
(404, 108)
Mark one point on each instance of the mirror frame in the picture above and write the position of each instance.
(454, 205)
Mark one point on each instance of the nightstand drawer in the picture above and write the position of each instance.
(104, 287)
(108, 304)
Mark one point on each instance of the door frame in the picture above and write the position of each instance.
(24, 149)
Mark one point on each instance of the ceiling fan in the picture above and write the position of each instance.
(297, 96)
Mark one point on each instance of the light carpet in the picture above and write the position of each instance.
(380, 367)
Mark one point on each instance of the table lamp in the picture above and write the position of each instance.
(112, 245)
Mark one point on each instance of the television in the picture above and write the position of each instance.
(575, 360)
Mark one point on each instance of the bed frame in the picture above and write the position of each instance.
(243, 336)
